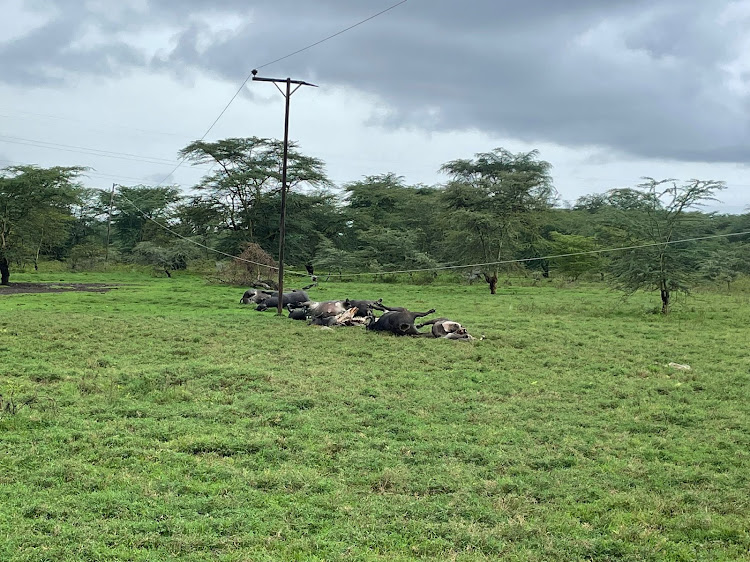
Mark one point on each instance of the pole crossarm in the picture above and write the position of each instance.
(283, 80)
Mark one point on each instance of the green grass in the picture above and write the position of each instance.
(171, 423)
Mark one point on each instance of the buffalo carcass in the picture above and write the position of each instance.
(296, 313)
(347, 318)
(260, 293)
(399, 321)
(364, 308)
(448, 329)
(287, 298)
(315, 310)
(256, 296)
(324, 309)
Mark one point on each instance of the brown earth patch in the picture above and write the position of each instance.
(18, 288)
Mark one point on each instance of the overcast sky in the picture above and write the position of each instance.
(608, 91)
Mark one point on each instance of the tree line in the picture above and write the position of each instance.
(498, 209)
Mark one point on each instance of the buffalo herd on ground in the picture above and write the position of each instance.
(349, 312)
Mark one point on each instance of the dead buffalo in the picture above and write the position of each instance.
(287, 298)
(399, 321)
(346, 318)
(323, 309)
(256, 296)
(448, 329)
(364, 308)
(296, 313)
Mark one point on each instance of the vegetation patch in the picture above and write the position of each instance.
(165, 421)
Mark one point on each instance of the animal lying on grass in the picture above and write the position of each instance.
(365, 308)
(347, 318)
(399, 321)
(287, 298)
(448, 329)
(317, 310)
(270, 299)
(260, 295)
(314, 309)
(396, 320)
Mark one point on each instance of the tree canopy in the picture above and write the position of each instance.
(35, 210)
(657, 214)
(493, 203)
(245, 179)
(497, 209)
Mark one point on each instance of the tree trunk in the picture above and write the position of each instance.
(492, 280)
(167, 272)
(4, 271)
(38, 251)
(664, 299)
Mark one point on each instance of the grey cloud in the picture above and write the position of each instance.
(47, 55)
(646, 78)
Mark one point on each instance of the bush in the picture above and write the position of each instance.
(85, 257)
(253, 264)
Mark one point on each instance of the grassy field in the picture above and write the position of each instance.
(170, 423)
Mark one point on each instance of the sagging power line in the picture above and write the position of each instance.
(194, 242)
(269, 63)
(455, 267)
(87, 150)
(163, 161)
(550, 257)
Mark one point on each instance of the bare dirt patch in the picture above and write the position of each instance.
(18, 288)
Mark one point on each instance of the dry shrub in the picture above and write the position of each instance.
(259, 265)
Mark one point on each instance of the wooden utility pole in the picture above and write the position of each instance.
(282, 223)
(109, 221)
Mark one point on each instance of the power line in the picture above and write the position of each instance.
(165, 227)
(525, 260)
(396, 5)
(86, 173)
(247, 78)
(88, 127)
(87, 150)
(162, 161)
(453, 267)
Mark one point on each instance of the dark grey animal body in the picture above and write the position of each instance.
(297, 313)
(286, 299)
(399, 321)
(255, 296)
(259, 296)
(364, 308)
(323, 320)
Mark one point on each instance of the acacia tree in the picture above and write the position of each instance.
(246, 176)
(656, 215)
(165, 257)
(584, 258)
(134, 209)
(89, 226)
(492, 202)
(383, 214)
(35, 208)
(724, 264)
